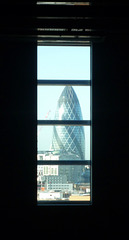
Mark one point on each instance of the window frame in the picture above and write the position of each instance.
(88, 82)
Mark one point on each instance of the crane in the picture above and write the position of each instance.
(46, 116)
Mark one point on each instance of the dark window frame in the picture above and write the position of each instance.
(44, 82)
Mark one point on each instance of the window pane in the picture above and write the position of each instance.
(59, 182)
(63, 103)
(64, 142)
(66, 63)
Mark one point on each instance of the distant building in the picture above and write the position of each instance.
(50, 195)
(47, 155)
(69, 138)
(47, 170)
(60, 186)
(61, 179)
(73, 172)
(85, 176)
(49, 182)
(69, 141)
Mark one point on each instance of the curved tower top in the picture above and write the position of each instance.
(68, 107)
(69, 139)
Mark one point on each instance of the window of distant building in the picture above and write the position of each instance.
(64, 125)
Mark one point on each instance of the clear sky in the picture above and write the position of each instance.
(61, 63)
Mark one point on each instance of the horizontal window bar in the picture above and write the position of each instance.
(87, 3)
(65, 122)
(62, 43)
(63, 162)
(64, 82)
(62, 203)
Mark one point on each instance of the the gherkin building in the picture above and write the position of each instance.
(69, 140)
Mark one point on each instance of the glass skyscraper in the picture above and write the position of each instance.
(69, 140)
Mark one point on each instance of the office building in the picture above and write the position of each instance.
(69, 139)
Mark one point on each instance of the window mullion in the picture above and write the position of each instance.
(63, 162)
(64, 122)
(53, 82)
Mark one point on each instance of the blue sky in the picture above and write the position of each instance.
(61, 63)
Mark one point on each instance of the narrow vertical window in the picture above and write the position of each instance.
(64, 125)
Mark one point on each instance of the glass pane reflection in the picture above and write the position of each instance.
(68, 142)
(59, 182)
(63, 103)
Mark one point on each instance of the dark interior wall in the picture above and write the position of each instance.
(18, 134)
(18, 122)
(110, 127)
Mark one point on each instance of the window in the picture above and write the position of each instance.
(64, 124)
(41, 157)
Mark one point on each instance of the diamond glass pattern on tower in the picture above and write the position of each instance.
(69, 140)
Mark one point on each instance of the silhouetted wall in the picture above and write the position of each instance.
(110, 128)
(18, 122)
